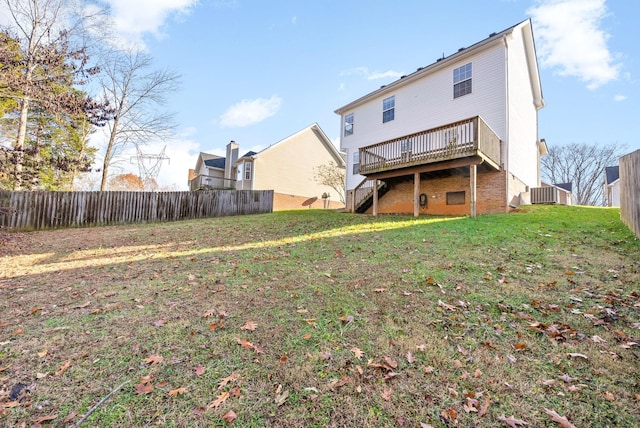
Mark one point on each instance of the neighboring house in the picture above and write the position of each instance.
(612, 186)
(459, 136)
(287, 167)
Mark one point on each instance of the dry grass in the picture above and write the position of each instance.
(532, 310)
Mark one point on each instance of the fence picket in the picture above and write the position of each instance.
(48, 210)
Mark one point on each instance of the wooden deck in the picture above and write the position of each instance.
(463, 139)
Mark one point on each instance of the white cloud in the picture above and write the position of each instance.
(571, 40)
(371, 75)
(620, 97)
(135, 18)
(294, 20)
(248, 112)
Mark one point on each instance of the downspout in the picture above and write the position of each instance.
(505, 161)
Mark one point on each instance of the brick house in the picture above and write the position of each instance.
(459, 136)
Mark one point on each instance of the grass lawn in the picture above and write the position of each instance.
(318, 319)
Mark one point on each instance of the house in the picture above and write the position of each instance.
(459, 136)
(612, 186)
(288, 167)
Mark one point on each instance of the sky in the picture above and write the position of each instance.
(258, 71)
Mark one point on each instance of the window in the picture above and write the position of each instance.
(455, 198)
(348, 124)
(247, 170)
(356, 162)
(462, 81)
(388, 109)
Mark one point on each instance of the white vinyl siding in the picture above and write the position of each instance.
(428, 103)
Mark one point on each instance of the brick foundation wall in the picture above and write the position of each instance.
(283, 202)
(491, 195)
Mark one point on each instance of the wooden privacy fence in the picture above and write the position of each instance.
(630, 191)
(48, 210)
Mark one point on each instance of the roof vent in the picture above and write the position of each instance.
(460, 50)
(439, 59)
(382, 86)
(492, 34)
(402, 77)
(420, 68)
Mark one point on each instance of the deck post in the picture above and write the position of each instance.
(375, 197)
(472, 184)
(416, 194)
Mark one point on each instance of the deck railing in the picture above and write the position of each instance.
(468, 137)
(208, 182)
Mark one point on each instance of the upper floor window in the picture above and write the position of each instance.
(388, 109)
(348, 124)
(247, 170)
(356, 162)
(462, 81)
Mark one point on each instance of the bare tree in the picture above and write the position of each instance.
(583, 166)
(136, 91)
(332, 175)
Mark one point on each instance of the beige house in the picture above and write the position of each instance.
(288, 167)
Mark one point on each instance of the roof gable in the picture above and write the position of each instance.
(463, 53)
(218, 162)
(612, 174)
(319, 134)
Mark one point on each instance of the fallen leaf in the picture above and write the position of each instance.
(229, 416)
(209, 313)
(199, 370)
(153, 359)
(306, 336)
(512, 422)
(219, 400)
(176, 392)
(423, 425)
(70, 416)
(326, 355)
(231, 378)
(143, 388)
(446, 306)
(245, 344)
(449, 415)
(63, 368)
(422, 347)
(346, 319)
(485, 407)
(357, 352)
(598, 339)
(43, 353)
(576, 355)
(457, 364)
(609, 396)
(391, 362)
(160, 323)
(45, 418)
(35, 310)
(555, 417)
(429, 369)
(249, 325)
(280, 399)
(410, 358)
(386, 394)
(84, 305)
(520, 346)
(477, 373)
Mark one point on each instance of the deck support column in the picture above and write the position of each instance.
(473, 191)
(416, 194)
(375, 197)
